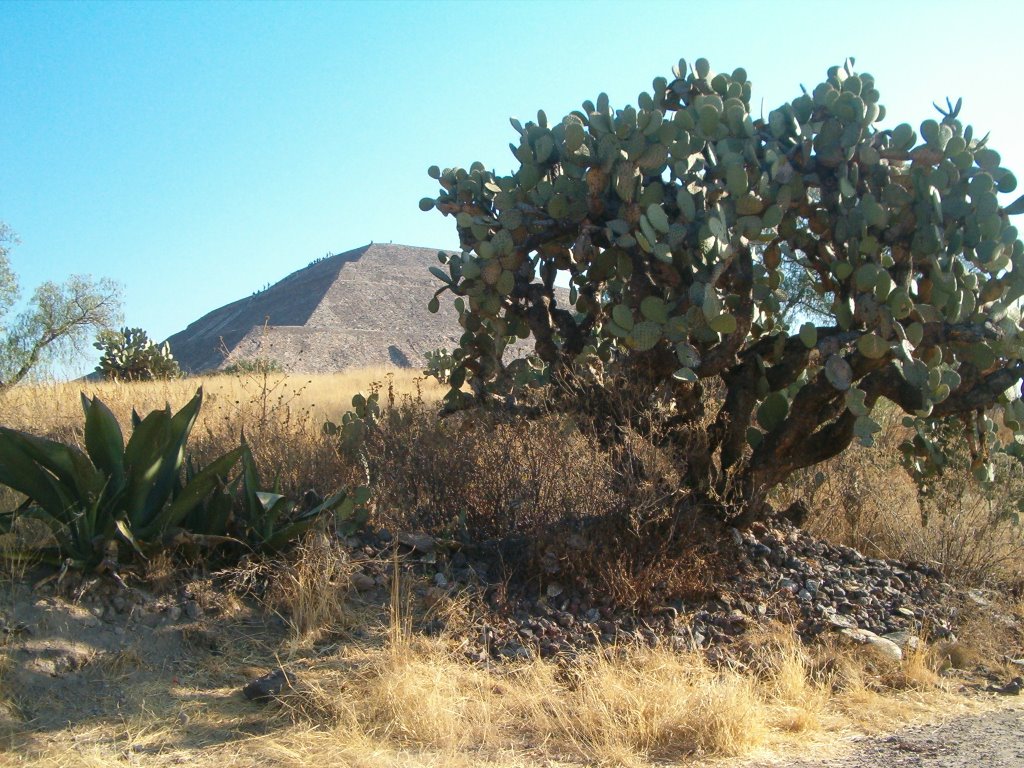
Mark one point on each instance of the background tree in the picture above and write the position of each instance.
(675, 219)
(799, 300)
(59, 318)
(130, 355)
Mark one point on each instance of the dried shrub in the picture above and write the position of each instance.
(865, 499)
(483, 478)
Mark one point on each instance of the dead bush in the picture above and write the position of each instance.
(481, 477)
(865, 499)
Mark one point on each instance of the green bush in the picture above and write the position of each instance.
(253, 366)
(113, 491)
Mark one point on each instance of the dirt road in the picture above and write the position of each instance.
(992, 739)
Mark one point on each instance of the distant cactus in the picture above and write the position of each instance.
(130, 355)
(673, 220)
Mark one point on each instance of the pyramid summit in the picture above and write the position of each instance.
(364, 307)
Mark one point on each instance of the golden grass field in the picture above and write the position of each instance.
(52, 407)
(281, 416)
(374, 693)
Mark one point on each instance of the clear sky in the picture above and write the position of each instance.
(198, 151)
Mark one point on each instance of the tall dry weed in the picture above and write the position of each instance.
(310, 589)
(865, 499)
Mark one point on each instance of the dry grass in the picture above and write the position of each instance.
(418, 704)
(310, 589)
(865, 499)
(399, 699)
(54, 408)
(281, 416)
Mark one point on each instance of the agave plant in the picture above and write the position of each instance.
(270, 520)
(114, 490)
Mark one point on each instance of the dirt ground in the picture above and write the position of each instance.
(993, 739)
(157, 681)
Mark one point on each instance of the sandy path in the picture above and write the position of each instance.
(992, 739)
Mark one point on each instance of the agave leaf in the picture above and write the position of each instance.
(87, 529)
(104, 441)
(19, 471)
(142, 458)
(191, 495)
(67, 463)
(331, 504)
(271, 505)
(212, 518)
(280, 537)
(126, 533)
(250, 483)
(61, 478)
(169, 470)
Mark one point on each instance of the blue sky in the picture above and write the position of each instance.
(197, 151)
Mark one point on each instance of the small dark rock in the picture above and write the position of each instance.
(268, 687)
(420, 542)
(362, 582)
(1012, 688)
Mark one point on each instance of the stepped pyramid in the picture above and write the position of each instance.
(364, 307)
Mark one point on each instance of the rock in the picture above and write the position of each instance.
(268, 687)
(788, 585)
(363, 583)
(976, 597)
(419, 542)
(554, 590)
(760, 550)
(549, 649)
(1013, 687)
(515, 652)
(174, 613)
(885, 648)
(440, 580)
(907, 641)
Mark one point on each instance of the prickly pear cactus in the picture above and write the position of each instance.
(130, 355)
(672, 221)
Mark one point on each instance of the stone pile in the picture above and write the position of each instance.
(781, 573)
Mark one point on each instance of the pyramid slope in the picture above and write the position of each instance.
(360, 308)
